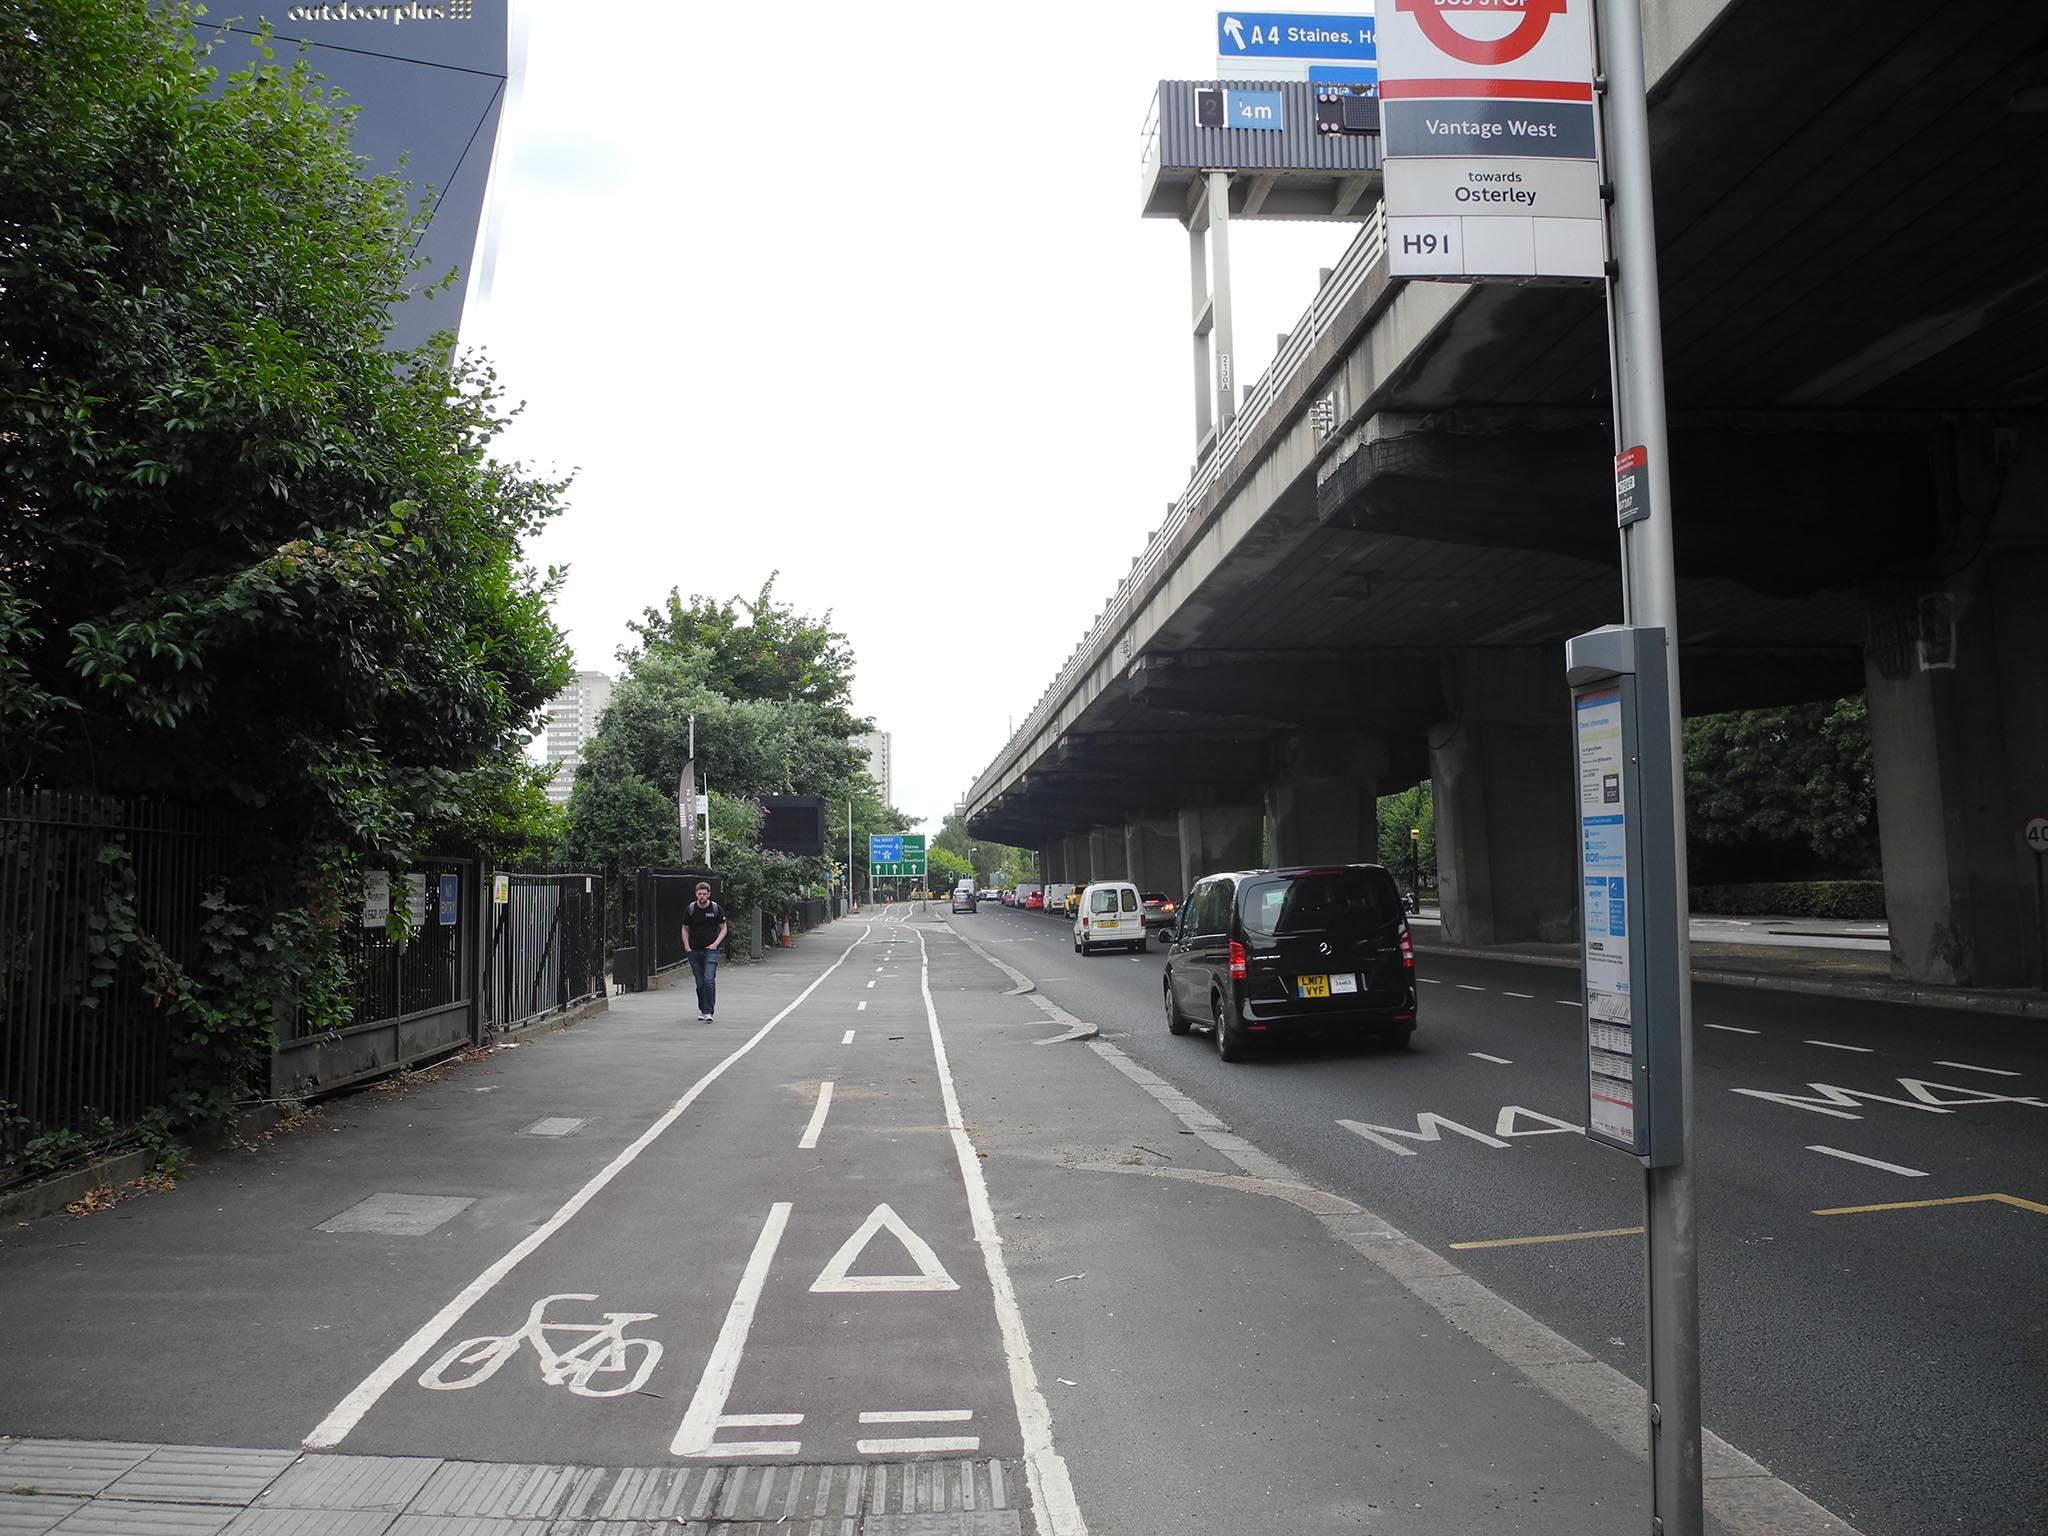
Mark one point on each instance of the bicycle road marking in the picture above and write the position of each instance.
(348, 1413)
(810, 1136)
(604, 1349)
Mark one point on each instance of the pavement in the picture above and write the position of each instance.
(898, 1245)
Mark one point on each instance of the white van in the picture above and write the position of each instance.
(1112, 915)
(1056, 896)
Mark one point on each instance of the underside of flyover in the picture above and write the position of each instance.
(1854, 261)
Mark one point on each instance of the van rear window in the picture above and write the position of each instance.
(1338, 899)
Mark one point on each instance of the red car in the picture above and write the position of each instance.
(1035, 902)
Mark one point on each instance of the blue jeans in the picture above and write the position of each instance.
(704, 966)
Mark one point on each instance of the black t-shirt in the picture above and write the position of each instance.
(702, 923)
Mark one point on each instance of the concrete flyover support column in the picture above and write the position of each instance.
(1106, 854)
(1152, 856)
(1501, 774)
(1218, 837)
(1321, 802)
(1954, 683)
(1051, 863)
(1074, 861)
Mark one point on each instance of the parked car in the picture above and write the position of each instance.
(1266, 952)
(1160, 909)
(1110, 917)
(1034, 901)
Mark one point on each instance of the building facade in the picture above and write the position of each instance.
(573, 716)
(876, 745)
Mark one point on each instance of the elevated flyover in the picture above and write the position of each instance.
(1370, 576)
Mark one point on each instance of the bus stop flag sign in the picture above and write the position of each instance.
(1487, 119)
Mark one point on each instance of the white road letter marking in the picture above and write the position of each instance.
(1505, 1125)
(1428, 1127)
(706, 1415)
(1924, 1092)
(931, 1274)
(1842, 1098)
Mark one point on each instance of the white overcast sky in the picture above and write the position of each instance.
(861, 294)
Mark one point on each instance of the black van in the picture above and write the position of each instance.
(1266, 952)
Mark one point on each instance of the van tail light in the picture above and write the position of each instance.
(1084, 920)
(1237, 970)
(1407, 951)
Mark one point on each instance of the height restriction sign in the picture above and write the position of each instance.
(1487, 117)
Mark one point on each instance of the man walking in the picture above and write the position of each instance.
(704, 930)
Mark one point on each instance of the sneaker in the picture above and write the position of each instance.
(703, 1018)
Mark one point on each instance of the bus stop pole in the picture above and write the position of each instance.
(1650, 597)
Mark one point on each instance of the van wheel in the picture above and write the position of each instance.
(1175, 1024)
(1230, 1044)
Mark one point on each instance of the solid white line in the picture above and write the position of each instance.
(817, 1118)
(1466, 986)
(919, 1416)
(333, 1429)
(1734, 1029)
(1964, 1066)
(1527, 997)
(1869, 1162)
(914, 1445)
(1045, 1470)
(701, 1422)
(1831, 1045)
(847, 1038)
(1500, 1060)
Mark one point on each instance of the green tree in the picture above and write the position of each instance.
(984, 858)
(1782, 793)
(946, 868)
(247, 554)
(1400, 814)
(758, 649)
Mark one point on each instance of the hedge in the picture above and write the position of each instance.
(1791, 898)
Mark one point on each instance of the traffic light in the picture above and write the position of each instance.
(1348, 110)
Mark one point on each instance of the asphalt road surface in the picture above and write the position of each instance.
(1891, 1363)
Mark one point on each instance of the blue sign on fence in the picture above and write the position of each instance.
(884, 850)
(1343, 74)
(1293, 35)
(1254, 109)
(451, 899)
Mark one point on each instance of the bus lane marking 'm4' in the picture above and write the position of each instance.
(1929, 1098)
(1430, 1126)
(606, 1354)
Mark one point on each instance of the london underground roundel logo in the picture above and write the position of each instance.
(1434, 17)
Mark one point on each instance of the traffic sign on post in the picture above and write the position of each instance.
(1294, 45)
(896, 857)
(1488, 123)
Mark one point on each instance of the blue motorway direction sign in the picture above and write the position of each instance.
(1294, 35)
(884, 850)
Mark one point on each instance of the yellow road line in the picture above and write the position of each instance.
(1921, 1205)
(1559, 1237)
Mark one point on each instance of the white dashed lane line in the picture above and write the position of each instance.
(1734, 1029)
(1964, 1066)
(1497, 1060)
(1527, 997)
(1431, 980)
(1569, 1002)
(1835, 1046)
(1466, 986)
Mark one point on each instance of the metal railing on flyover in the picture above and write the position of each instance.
(1364, 253)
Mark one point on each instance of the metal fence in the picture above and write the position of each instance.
(546, 945)
(81, 1038)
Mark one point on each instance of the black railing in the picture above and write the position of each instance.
(87, 883)
(547, 945)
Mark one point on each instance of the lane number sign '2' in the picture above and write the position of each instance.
(1486, 44)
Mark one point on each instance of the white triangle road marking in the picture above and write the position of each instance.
(931, 1274)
